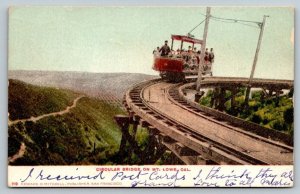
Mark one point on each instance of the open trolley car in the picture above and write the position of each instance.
(180, 65)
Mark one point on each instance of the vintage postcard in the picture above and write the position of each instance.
(150, 96)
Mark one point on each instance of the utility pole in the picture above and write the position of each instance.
(261, 25)
(203, 46)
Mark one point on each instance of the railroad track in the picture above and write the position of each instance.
(139, 101)
(239, 81)
(174, 95)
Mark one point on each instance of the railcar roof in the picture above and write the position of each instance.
(186, 39)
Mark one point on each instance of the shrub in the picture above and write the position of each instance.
(256, 119)
(289, 115)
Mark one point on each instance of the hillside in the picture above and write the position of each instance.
(107, 86)
(25, 100)
(69, 138)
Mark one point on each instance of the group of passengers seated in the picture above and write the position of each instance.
(191, 56)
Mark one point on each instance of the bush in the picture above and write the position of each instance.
(256, 119)
(142, 136)
(291, 93)
(205, 101)
(276, 113)
(256, 95)
(278, 125)
(289, 115)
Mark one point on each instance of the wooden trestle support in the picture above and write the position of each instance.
(158, 144)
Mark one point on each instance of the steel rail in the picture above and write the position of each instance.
(174, 96)
(249, 126)
(136, 103)
(141, 103)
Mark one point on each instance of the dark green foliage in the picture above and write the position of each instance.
(167, 158)
(146, 154)
(289, 115)
(257, 95)
(255, 118)
(25, 100)
(289, 120)
(278, 125)
(291, 93)
(67, 138)
(227, 94)
(276, 113)
(142, 137)
(14, 141)
(205, 100)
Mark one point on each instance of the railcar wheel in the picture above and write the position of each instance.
(175, 77)
(179, 77)
(169, 76)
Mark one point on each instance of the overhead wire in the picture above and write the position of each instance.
(237, 21)
(229, 20)
(197, 26)
(258, 25)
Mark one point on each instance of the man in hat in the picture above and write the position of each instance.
(211, 56)
(206, 56)
(165, 49)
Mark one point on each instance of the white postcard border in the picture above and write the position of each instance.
(152, 176)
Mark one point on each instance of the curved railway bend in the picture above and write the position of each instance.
(202, 136)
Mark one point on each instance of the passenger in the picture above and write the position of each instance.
(198, 56)
(165, 49)
(178, 53)
(172, 53)
(189, 55)
(211, 56)
(194, 61)
(184, 54)
(156, 52)
(206, 56)
(190, 49)
(195, 50)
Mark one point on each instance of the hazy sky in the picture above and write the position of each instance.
(121, 39)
